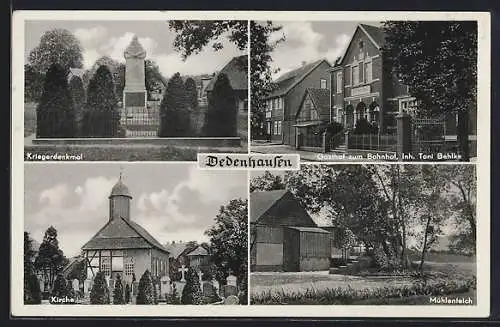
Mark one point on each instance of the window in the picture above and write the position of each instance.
(339, 83)
(105, 266)
(129, 266)
(355, 75)
(275, 128)
(314, 114)
(322, 83)
(117, 262)
(348, 75)
(279, 127)
(361, 72)
(368, 72)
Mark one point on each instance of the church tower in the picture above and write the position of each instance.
(119, 201)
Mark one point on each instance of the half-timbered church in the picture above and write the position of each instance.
(122, 246)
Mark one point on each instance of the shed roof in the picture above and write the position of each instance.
(236, 71)
(200, 250)
(309, 229)
(261, 202)
(177, 249)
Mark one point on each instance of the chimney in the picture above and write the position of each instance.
(303, 63)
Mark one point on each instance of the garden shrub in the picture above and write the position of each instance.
(191, 293)
(127, 294)
(99, 294)
(433, 287)
(145, 289)
(60, 288)
(363, 126)
(118, 291)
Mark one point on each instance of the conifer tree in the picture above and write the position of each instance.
(174, 113)
(101, 117)
(192, 94)
(55, 113)
(60, 287)
(145, 289)
(221, 117)
(127, 293)
(191, 293)
(77, 92)
(118, 291)
(99, 294)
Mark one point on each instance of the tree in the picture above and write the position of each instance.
(55, 113)
(191, 293)
(174, 114)
(462, 199)
(117, 70)
(221, 117)
(228, 239)
(32, 293)
(154, 79)
(261, 81)
(192, 93)
(33, 84)
(77, 92)
(145, 289)
(99, 294)
(127, 293)
(243, 286)
(101, 117)
(267, 182)
(60, 288)
(193, 36)
(50, 259)
(437, 60)
(57, 46)
(118, 291)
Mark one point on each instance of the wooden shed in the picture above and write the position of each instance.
(306, 249)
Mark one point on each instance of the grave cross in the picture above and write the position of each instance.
(183, 270)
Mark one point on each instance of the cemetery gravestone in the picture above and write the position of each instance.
(228, 290)
(209, 290)
(183, 270)
(231, 300)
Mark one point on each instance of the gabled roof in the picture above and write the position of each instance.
(320, 99)
(236, 71)
(177, 249)
(200, 251)
(286, 82)
(374, 34)
(261, 202)
(119, 233)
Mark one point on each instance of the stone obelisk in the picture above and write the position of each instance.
(134, 93)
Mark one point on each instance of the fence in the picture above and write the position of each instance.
(336, 140)
(142, 122)
(376, 142)
(428, 135)
(312, 140)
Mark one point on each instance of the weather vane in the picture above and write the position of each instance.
(121, 172)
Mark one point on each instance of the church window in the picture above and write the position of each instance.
(105, 266)
(322, 83)
(129, 266)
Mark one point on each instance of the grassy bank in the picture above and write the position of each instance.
(418, 292)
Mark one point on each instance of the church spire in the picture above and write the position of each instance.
(119, 200)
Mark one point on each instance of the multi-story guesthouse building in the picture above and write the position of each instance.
(284, 102)
(360, 84)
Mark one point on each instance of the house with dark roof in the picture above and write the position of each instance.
(284, 102)
(364, 86)
(123, 247)
(199, 258)
(236, 71)
(283, 236)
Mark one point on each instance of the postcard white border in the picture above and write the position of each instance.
(483, 174)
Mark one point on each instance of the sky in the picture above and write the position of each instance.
(172, 201)
(110, 38)
(310, 41)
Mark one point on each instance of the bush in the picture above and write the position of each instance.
(145, 289)
(99, 294)
(174, 111)
(60, 288)
(101, 117)
(118, 291)
(55, 112)
(222, 114)
(173, 298)
(191, 294)
(32, 293)
(365, 127)
(342, 296)
(334, 128)
(127, 294)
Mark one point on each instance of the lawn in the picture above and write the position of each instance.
(323, 288)
(126, 152)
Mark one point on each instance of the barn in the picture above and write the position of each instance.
(283, 236)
